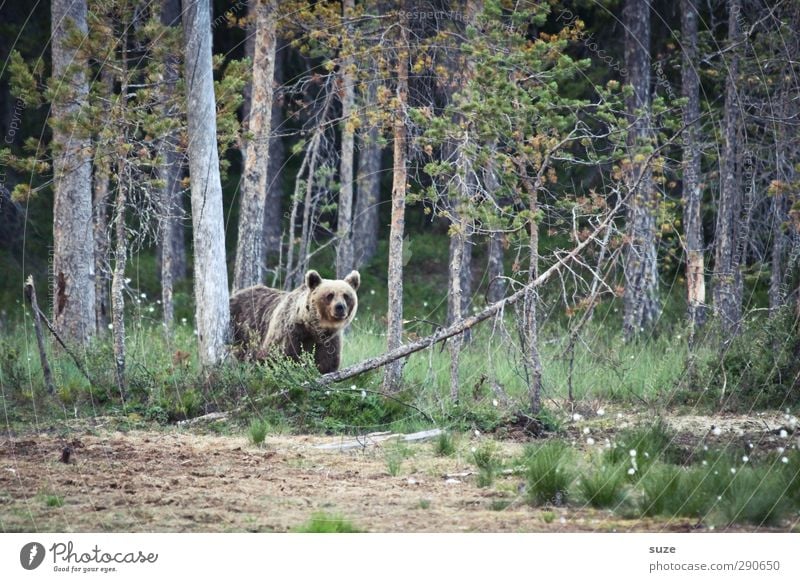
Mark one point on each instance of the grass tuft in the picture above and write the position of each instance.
(327, 523)
(547, 472)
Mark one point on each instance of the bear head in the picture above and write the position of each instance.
(333, 300)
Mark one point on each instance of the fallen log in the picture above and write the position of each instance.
(467, 323)
(376, 438)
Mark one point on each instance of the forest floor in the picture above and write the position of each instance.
(174, 479)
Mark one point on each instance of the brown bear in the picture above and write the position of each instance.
(311, 318)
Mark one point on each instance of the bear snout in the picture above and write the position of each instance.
(340, 311)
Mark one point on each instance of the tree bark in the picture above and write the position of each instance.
(211, 275)
(118, 278)
(640, 298)
(171, 248)
(102, 175)
(249, 267)
(344, 248)
(727, 274)
(692, 193)
(495, 270)
(366, 221)
(273, 213)
(454, 297)
(73, 236)
(394, 316)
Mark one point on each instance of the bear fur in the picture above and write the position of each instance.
(311, 318)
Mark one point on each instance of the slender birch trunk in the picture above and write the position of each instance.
(394, 371)
(211, 275)
(344, 248)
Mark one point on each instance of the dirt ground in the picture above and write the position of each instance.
(180, 480)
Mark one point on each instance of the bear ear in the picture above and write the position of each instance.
(353, 279)
(313, 280)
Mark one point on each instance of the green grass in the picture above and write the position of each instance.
(258, 431)
(488, 462)
(603, 487)
(54, 501)
(327, 523)
(548, 473)
(444, 445)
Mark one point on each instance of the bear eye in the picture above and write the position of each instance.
(329, 297)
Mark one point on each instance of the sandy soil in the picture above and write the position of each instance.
(176, 480)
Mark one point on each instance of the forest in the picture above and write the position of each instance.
(575, 226)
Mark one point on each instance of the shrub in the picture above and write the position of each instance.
(326, 523)
(547, 473)
(604, 487)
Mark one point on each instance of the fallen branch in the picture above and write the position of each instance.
(39, 313)
(377, 438)
(464, 324)
(30, 295)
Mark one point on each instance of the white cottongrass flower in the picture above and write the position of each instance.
(143, 295)
(783, 434)
(716, 431)
(586, 430)
(745, 458)
(631, 471)
(477, 433)
(705, 463)
(733, 469)
(600, 412)
(780, 450)
(632, 452)
(576, 417)
(784, 460)
(590, 441)
(363, 394)
(494, 402)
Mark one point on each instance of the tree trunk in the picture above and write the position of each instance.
(692, 193)
(394, 316)
(73, 235)
(344, 248)
(102, 175)
(454, 298)
(641, 270)
(249, 267)
(366, 221)
(118, 279)
(727, 274)
(211, 275)
(171, 248)
(273, 214)
(530, 305)
(495, 271)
